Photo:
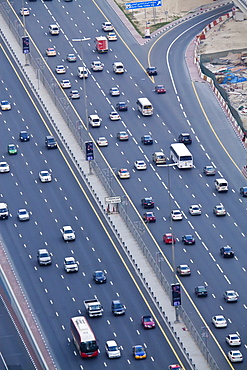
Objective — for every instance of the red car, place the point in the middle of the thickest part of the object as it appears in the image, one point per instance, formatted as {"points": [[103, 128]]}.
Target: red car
{"points": [[167, 238], [148, 322], [160, 89], [149, 217], [176, 367]]}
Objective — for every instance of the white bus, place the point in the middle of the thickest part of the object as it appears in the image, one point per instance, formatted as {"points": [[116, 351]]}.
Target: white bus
{"points": [[145, 106], [181, 155], [83, 337]]}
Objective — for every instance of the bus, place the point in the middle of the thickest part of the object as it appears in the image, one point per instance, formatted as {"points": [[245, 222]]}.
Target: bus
{"points": [[145, 106], [181, 155], [83, 337]]}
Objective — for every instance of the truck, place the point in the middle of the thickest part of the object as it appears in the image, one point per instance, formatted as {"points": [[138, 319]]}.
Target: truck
{"points": [[101, 44], [93, 307]]}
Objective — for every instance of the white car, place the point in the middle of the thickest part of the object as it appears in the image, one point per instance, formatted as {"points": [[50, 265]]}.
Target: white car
{"points": [[24, 11], [74, 94], [195, 210], [102, 141], [235, 355], [60, 69], [140, 165], [176, 215], [230, 296], [23, 215], [65, 84], [54, 29], [70, 264], [111, 36], [233, 340], [183, 270], [68, 233], [114, 91], [114, 116], [123, 173], [5, 105], [94, 120], [45, 176], [51, 52], [112, 349], [71, 57], [219, 321], [4, 167], [97, 66], [107, 26], [219, 210]]}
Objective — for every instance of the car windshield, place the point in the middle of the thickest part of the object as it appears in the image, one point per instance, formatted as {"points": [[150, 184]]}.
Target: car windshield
{"points": [[69, 262], [68, 231], [147, 319]]}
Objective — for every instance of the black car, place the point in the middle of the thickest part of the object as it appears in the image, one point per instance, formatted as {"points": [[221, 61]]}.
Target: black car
{"points": [[188, 239], [152, 71], [147, 140], [117, 307], [201, 291], [227, 252], [121, 106], [147, 202], [99, 277], [50, 142], [243, 191], [24, 136], [185, 139]]}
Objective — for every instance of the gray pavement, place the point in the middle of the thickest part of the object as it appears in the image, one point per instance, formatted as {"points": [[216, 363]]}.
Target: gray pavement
{"points": [[125, 235]]}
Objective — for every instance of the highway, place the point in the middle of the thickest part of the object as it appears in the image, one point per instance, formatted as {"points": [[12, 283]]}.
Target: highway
{"points": [[175, 112]]}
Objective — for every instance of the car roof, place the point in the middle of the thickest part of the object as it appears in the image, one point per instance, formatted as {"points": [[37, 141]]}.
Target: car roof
{"points": [[111, 342], [44, 250]]}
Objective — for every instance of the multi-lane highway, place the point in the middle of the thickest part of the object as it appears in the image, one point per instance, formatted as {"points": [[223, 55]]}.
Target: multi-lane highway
{"points": [[175, 112]]}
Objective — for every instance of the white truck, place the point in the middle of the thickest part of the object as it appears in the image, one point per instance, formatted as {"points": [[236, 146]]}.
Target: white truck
{"points": [[93, 307]]}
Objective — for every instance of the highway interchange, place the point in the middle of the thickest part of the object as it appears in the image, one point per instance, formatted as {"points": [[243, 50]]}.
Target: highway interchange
{"points": [[57, 203]]}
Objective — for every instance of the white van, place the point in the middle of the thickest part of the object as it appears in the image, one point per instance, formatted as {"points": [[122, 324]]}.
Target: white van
{"points": [[159, 158], [118, 67], [221, 185], [82, 72], [54, 29], [94, 120]]}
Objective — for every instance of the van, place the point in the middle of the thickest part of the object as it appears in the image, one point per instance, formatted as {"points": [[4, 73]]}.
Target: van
{"points": [[82, 72], [4, 211], [94, 120], [159, 158], [221, 185], [118, 67], [54, 29]]}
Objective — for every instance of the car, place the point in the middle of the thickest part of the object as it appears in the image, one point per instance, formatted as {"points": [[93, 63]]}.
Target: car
{"points": [[243, 191], [74, 94], [60, 69], [176, 215], [5, 105], [201, 291], [50, 142], [221, 185], [71, 57], [233, 340], [112, 350], [44, 257], [147, 139], [4, 211], [209, 170], [51, 52], [148, 322], [67, 233], [70, 264], [168, 238], [140, 165], [122, 136], [4, 167], [139, 352], [82, 72], [117, 307], [45, 176], [188, 239], [24, 136], [174, 367], [111, 36], [24, 11], [183, 270], [107, 26], [235, 356], [149, 217], [54, 29], [219, 321], [185, 138], [114, 116], [147, 202], [23, 215], [97, 66], [230, 296], [12, 149], [219, 210], [102, 141], [227, 252], [195, 210], [160, 89], [65, 84], [121, 106], [123, 173], [114, 91], [94, 120], [99, 277], [152, 71], [118, 67]]}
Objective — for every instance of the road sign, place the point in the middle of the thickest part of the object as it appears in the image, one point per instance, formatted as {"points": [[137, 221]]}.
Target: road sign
{"points": [[113, 200], [143, 4]]}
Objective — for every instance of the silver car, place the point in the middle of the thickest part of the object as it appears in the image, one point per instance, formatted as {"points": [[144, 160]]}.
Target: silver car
{"points": [[23, 215], [230, 296]]}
